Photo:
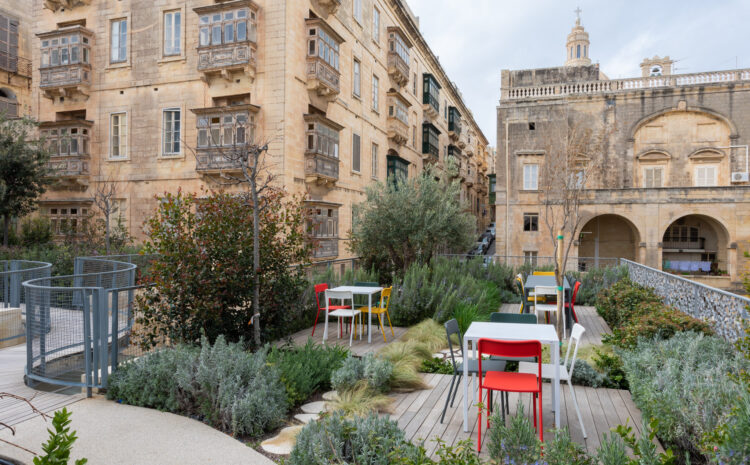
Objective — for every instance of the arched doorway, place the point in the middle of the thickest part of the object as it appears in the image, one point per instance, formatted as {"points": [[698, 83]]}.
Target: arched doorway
{"points": [[608, 236], [695, 244]]}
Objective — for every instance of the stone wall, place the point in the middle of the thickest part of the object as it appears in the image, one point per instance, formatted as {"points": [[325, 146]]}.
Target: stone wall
{"points": [[724, 311]]}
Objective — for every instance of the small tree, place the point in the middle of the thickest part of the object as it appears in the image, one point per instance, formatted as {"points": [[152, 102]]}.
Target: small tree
{"points": [[205, 275], [572, 158], [23, 170], [105, 200], [408, 220]]}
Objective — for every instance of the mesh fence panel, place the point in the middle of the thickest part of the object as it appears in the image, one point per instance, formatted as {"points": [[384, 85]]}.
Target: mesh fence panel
{"points": [[13, 297], [79, 326]]}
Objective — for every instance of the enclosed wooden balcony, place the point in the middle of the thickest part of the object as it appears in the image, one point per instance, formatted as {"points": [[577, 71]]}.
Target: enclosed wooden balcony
{"points": [[322, 150], [323, 75], [397, 124], [430, 96], [70, 171], [225, 134], [454, 125], [68, 143], [65, 67], [398, 56], [227, 43]]}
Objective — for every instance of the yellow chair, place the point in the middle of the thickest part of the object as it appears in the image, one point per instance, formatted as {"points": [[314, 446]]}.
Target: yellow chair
{"points": [[529, 297], [544, 273], [385, 302]]}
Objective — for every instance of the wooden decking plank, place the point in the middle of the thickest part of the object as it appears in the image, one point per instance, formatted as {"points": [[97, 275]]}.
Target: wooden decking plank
{"points": [[420, 428]]}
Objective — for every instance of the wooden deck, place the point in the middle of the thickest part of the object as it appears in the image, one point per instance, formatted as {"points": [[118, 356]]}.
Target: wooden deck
{"points": [[359, 346], [46, 398]]}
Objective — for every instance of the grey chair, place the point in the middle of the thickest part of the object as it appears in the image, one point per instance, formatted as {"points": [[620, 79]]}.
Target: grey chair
{"points": [[451, 328]]}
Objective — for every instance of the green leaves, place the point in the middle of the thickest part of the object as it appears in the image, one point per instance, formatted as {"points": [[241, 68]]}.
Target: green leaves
{"points": [[57, 448]]}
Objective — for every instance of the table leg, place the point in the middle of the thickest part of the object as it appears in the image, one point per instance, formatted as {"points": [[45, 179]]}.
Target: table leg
{"points": [[325, 330], [555, 351], [369, 319], [465, 354]]}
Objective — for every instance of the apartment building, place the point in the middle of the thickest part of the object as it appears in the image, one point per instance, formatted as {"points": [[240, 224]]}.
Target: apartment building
{"points": [[144, 93], [15, 58], [672, 189]]}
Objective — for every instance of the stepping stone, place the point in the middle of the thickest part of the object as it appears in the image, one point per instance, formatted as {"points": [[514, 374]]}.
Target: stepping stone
{"points": [[446, 352], [438, 355], [306, 417], [331, 396], [314, 407], [283, 443]]}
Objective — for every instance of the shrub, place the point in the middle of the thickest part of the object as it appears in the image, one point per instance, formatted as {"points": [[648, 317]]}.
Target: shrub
{"points": [[36, 231], [306, 369], [610, 365], [437, 365], [406, 352], [405, 377], [360, 400], [232, 390], [430, 333], [623, 300], [655, 320], [368, 440], [374, 370], [595, 280], [517, 442], [685, 383], [466, 313], [585, 375], [611, 451], [562, 450], [203, 280]]}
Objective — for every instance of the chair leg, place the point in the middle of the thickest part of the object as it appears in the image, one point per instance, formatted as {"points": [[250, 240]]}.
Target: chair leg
{"points": [[489, 406], [389, 323], [541, 423], [351, 334], [507, 403], [316, 321], [479, 423], [382, 329], [447, 399], [533, 401], [458, 383], [578, 411]]}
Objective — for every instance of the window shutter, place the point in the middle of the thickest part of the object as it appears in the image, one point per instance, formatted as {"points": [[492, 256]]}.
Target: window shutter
{"points": [[355, 153]]}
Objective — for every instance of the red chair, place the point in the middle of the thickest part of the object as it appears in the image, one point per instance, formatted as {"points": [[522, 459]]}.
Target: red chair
{"points": [[508, 381], [322, 288], [572, 302]]}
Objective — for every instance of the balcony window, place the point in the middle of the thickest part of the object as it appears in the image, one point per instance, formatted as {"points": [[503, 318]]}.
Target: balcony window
{"points": [[323, 45], [397, 45], [453, 151], [65, 141], [431, 92], [430, 140], [322, 138], [398, 168], [397, 109], [227, 26], [323, 229], [65, 50], [225, 129], [454, 120], [66, 219]]}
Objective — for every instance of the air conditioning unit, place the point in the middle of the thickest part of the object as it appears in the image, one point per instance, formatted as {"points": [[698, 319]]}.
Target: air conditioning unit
{"points": [[740, 176]]}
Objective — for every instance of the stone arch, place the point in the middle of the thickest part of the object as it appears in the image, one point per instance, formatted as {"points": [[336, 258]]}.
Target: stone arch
{"points": [[733, 133], [609, 235], [693, 239]]}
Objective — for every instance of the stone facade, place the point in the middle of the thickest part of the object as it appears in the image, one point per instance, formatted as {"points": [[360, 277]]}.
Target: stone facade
{"points": [[672, 191], [15, 58], [328, 84]]}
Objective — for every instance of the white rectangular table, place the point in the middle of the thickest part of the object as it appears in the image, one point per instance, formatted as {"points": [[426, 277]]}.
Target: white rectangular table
{"points": [[359, 290], [545, 334]]}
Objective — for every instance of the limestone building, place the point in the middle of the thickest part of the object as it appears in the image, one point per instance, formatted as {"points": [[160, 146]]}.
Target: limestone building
{"points": [[672, 191], [15, 58], [140, 93]]}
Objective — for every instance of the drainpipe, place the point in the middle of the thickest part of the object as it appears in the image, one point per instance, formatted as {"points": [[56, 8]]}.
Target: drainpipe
{"points": [[507, 193]]}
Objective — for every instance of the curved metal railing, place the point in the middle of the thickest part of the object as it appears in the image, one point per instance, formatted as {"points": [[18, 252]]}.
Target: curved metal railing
{"points": [[77, 326], [13, 299]]}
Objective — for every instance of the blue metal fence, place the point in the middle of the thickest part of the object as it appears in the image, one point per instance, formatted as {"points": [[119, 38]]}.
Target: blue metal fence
{"points": [[13, 299]]}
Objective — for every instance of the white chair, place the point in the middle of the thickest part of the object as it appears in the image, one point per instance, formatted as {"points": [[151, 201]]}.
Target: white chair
{"points": [[548, 370], [340, 313], [544, 307]]}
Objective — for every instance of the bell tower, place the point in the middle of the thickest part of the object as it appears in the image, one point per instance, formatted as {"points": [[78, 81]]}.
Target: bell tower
{"points": [[577, 46]]}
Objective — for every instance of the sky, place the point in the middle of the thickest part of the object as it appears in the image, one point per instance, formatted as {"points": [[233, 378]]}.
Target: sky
{"points": [[476, 39]]}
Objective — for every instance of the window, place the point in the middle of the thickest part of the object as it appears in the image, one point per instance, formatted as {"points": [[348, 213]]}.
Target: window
{"points": [[531, 222], [431, 92], [64, 141], [396, 108], [172, 23], [171, 131], [357, 10], [225, 129], [397, 168], [652, 176], [584, 51], [397, 45], [454, 120], [66, 219], [705, 176], [530, 177], [355, 153], [119, 41], [119, 213], [327, 47], [530, 257], [118, 135], [8, 43], [376, 25], [532, 126], [579, 177], [64, 50], [375, 92], [357, 85], [414, 136], [414, 84], [323, 139], [578, 51], [226, 27], [375, 161], [323, 224]]}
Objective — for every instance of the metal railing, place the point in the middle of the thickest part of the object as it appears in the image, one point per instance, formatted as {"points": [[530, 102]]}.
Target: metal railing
{"points": [[13, 304], [727, 313], [79, 327], [532, 263]]}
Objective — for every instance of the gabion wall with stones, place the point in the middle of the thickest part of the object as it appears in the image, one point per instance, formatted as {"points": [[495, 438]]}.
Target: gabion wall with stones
{"points": [[724, 311]]}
